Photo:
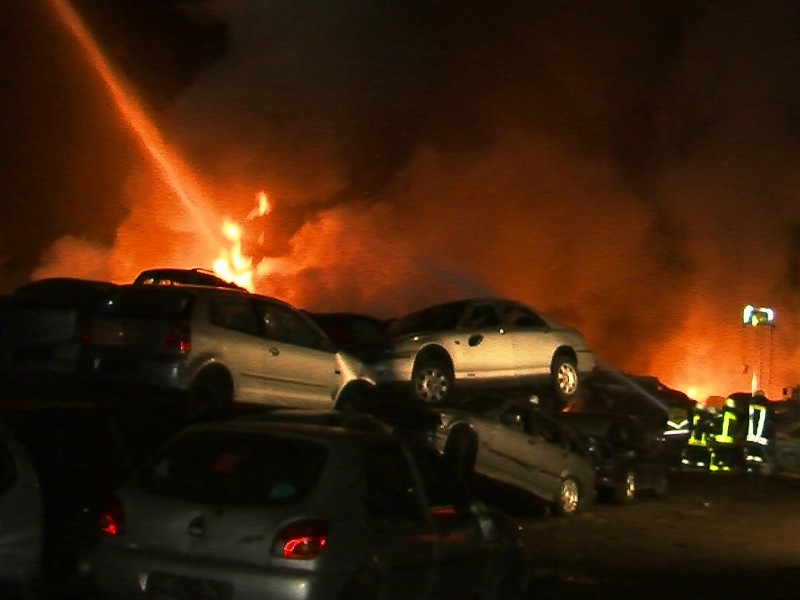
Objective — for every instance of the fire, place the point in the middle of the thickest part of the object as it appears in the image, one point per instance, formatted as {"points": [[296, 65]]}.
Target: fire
{"points": [[232, 264]]}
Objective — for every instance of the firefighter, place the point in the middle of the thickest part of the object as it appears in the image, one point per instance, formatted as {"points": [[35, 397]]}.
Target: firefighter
{"points": [[697, 454], [727, 439], [759, 433]]}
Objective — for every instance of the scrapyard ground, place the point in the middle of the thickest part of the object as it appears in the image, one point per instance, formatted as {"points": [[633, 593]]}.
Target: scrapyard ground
{"points": [[713, 536]]}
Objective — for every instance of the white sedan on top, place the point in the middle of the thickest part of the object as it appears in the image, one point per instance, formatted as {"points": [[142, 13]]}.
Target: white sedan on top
{"points": [[481, 342]]}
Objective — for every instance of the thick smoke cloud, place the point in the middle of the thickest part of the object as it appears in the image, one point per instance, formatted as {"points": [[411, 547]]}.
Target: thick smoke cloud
{"points": [[630, 170]]}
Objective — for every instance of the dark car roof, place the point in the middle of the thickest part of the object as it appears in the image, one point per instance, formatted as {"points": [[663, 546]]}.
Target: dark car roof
{"points": [[62, 292], [173, 276]]}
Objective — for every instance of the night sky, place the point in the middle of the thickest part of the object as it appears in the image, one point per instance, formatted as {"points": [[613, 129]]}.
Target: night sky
{"points": [[628, 167]]}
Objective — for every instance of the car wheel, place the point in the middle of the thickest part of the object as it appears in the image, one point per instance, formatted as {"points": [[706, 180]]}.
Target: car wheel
{"points": [[565, 378], [460, 450], [569, 496], [433, 382], [210, 396], [626, 492]]}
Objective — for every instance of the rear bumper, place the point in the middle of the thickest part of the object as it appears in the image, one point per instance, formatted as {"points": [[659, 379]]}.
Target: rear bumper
{"points": [[123, 573]]}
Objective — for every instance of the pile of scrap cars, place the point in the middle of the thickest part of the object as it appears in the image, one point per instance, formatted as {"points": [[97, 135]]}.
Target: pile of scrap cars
{"points": [[181, 411]]}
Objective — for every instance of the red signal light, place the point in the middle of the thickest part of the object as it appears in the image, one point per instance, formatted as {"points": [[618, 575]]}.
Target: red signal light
{"points": [[112, 519], [178, 339], [301, 540]]}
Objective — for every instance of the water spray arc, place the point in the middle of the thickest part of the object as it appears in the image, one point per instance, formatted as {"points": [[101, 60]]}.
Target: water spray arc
{"points": [[174, 171]]}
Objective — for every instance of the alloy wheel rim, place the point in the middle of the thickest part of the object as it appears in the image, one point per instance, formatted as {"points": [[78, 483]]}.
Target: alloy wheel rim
{"points": [[567, 378], [569, 496]]}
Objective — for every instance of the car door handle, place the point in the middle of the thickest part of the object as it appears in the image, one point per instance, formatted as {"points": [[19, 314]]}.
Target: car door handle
{"points": [[476, 339], [274, 351]]}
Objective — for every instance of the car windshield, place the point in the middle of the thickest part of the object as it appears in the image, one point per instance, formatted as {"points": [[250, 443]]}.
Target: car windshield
{"points": [[436, 318], [150, 303], [235, 468]]}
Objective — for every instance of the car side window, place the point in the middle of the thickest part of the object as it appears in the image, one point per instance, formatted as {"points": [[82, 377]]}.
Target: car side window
{"points": [[390, 486], [520, 316], [234, 313], [282, 324], [482, 315]]}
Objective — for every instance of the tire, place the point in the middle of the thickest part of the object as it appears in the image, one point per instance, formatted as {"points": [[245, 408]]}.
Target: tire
{"points": [[565, 378], [568, 500], [627, 490], [461, 450], [432, 382], [209, 397]]}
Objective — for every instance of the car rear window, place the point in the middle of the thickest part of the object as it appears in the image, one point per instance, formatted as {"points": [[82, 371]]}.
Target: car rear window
{"points": [[235, 469], [150, 303]]}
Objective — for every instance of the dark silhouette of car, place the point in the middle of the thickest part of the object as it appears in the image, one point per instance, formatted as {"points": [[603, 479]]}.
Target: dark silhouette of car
{"points": [[354, 332], [44, 326], [629, 458], [196, 276]]}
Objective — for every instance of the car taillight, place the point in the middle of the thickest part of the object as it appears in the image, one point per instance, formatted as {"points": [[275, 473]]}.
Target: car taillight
{"points": [[301, 540], [178, 339], [112, 519]]}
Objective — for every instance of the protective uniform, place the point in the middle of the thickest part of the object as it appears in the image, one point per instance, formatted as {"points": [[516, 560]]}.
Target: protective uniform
{"points": [[726, 439], [697, 454], [759, 433]]}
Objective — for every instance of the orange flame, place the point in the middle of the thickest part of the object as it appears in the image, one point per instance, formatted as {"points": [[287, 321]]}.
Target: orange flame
{"points": [[232, 264]]}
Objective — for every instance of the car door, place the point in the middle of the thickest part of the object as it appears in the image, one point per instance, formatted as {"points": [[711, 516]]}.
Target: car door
{"points": [[532, 340], [512, 452], [465, 558], [300, 366], [483, 349], [551, 452], [402, 537]]}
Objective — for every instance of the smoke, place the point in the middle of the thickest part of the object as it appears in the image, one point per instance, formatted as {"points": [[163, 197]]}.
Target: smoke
{"points": [[631, 171]]}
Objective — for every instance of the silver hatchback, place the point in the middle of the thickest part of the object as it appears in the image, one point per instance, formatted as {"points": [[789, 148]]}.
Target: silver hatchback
{"points": [[252, 510], [216, 347]]}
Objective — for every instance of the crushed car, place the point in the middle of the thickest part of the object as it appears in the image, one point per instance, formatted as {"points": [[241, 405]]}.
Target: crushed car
{"points": [[506, 437]]}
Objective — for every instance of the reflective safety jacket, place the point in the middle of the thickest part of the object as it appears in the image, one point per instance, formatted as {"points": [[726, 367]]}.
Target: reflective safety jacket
{"points": [[677, 422], [757, 424], [725, 428], [698, 436]]}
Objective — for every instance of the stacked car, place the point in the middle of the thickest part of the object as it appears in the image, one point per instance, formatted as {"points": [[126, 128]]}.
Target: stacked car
{"points": [[331, 452]]}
